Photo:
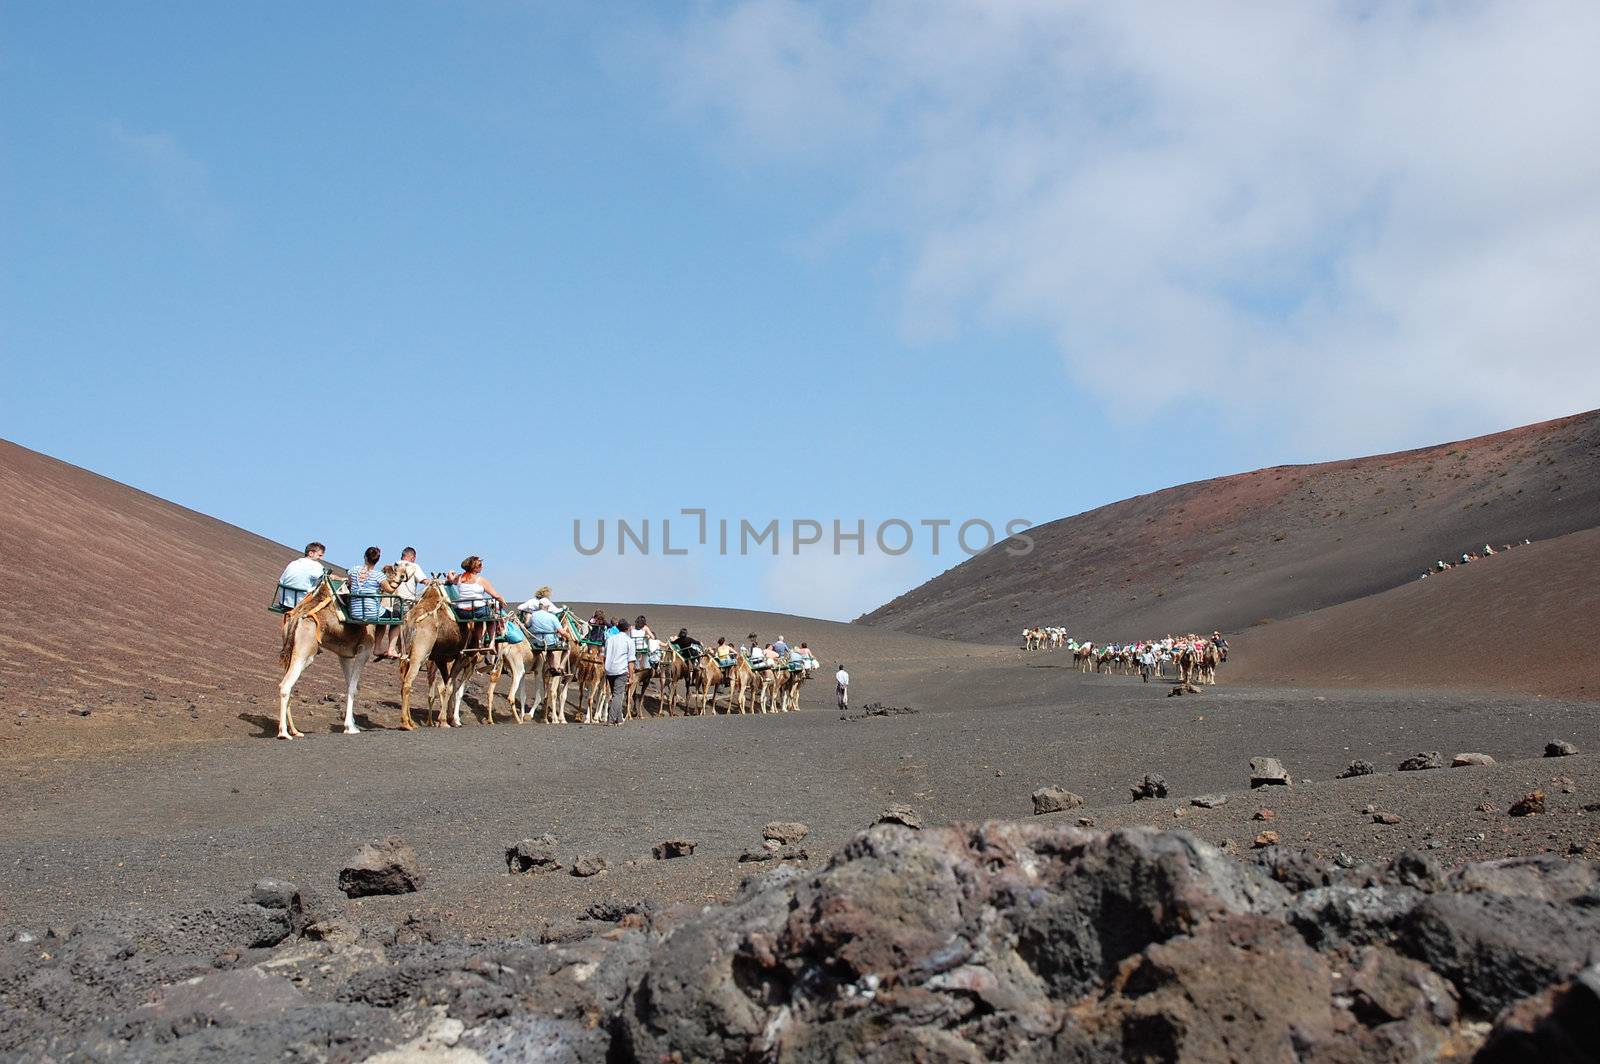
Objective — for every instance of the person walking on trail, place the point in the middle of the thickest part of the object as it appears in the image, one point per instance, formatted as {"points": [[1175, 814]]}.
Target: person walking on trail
{"points": [[619, 669], [842, 679]]}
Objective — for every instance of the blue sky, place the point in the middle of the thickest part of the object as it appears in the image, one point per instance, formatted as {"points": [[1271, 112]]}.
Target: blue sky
{"points": [[459, 275]]}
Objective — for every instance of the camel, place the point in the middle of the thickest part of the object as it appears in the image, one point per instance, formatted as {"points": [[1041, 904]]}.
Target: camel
{"points": [[769, 696], [589, 674], [544, 665], [436, 637], [788, 689], [744, 687], [639, 683], [708, 674], [310, 627], [1209, 659], [1083, 657], [673, 672], [1188, 662]]}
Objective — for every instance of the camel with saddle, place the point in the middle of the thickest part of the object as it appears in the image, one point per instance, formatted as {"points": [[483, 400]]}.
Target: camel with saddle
{"points": [[707, 675], [314, 625], [544, 667], [437, 638], [1083, 657], [788, 688], [651, 658], [745, 687], [588, 666]]}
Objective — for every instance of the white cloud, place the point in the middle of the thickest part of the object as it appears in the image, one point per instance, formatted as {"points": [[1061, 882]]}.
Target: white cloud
{"points": [[179, 181], [1358, 221]]}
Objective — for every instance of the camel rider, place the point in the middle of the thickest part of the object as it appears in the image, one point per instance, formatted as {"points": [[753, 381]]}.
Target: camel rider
{"points": [[723, 653], [409, 577], [301, 575], [544, 624], [647, 648], [781, 647], [688, 646], [475, 598]]}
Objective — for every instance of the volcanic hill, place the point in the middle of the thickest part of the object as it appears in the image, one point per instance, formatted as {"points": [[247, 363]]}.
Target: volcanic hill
{"points": [[1268, 545]]}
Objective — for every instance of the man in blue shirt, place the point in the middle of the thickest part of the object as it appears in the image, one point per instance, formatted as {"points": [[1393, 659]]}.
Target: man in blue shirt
{"points": [[301, 575], [545, 625]]}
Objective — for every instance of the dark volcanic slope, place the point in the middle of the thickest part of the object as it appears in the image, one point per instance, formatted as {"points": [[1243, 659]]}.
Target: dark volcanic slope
{"points": [[1271, 544], [110, 593], [1525, 621]]}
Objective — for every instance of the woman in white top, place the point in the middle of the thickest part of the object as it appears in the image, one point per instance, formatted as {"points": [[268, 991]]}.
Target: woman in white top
{"points": [[474, 592]]}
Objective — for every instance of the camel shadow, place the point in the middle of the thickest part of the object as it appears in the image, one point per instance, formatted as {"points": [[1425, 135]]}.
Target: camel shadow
{"points": [[268, 725]]}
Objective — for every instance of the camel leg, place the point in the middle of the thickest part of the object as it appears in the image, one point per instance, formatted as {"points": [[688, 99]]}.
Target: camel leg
{"points": [[494, 681], [297, 665], [458, 685], [438, 695], [421, 649], [304, 650], [352, 679]]}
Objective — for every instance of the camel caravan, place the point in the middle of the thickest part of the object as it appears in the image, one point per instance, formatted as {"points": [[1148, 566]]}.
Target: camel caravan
{"points": [[1190, 659], [453, 626]]}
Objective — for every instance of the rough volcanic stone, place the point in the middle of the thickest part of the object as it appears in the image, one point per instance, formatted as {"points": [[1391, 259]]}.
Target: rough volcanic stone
{"points": [[785, 832], [900, 814], [667, 849], [588, 864], [533, 856], [1209, 801], [1054, 800], [1496, 948], [1463, 760], [1558, 1025], [1151, 786], [1559, 748], [1425, 760], [1268, 772], [1530, 804], [1385, 818], [387, 866], [1358, 767]]}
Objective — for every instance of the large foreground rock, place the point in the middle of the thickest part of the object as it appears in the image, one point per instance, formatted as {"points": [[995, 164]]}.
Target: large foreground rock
{"points": [[1019, 941], [954, 943], [387, 866]]}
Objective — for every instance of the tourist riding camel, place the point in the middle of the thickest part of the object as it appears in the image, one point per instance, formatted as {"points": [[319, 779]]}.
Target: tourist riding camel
{"points": [[436, 638], [541, 659], [312, 626]]}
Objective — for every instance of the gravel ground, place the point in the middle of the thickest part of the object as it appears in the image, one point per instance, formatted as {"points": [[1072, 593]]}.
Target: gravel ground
{"points": [[183, 825]]}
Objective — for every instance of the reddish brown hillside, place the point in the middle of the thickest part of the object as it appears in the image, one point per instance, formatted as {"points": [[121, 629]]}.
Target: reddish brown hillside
{"points": [[1524, 621], [116, 596], [153, 619], [1270, 544]]}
